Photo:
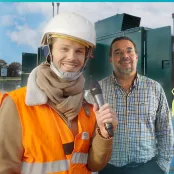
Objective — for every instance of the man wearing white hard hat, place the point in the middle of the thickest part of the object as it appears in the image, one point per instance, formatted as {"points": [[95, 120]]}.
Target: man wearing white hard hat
{"points": [[47, 127]]}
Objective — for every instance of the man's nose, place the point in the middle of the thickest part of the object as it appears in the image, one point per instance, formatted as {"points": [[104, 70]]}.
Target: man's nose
{"points": [[124, 53], [71, 55]]}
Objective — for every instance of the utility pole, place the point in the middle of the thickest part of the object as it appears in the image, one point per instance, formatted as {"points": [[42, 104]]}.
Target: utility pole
{"points": [[53, 8], [58, 7]]}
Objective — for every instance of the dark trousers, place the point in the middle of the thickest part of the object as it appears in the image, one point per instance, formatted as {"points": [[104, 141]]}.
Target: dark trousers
{"points": [[151, 167]]}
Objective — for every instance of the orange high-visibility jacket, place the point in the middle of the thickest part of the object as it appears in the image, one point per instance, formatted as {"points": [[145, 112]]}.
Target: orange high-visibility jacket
{"points": [[1, 95], [47, 139]]}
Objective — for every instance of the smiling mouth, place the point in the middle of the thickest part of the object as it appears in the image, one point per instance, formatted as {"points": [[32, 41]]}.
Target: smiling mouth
{"points": [[125, 63], [69, 65]]}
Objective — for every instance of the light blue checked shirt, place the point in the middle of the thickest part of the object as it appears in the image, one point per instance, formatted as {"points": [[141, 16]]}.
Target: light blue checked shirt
{"points": [[144, 122]]}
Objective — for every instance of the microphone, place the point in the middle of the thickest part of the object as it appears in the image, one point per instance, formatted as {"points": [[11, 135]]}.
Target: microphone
{"points": [[96, 92]]}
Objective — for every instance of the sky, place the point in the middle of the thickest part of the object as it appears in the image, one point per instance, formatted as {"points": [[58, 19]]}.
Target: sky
{"points": [[22, 23]]}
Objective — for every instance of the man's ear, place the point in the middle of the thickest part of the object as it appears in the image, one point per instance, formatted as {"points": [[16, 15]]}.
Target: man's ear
{"points": [[46, 50], [110, 60], [136, 56]]}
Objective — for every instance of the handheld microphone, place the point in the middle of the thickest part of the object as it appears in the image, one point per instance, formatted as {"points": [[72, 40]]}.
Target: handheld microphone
{"points": [[96, 92]]}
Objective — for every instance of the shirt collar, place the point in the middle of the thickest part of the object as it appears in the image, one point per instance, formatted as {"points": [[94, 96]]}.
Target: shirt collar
{"points": [[134, 84]]}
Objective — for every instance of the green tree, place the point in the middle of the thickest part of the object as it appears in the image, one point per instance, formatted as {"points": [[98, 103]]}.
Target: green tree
{"points": [[14, 69], [3, 63]]}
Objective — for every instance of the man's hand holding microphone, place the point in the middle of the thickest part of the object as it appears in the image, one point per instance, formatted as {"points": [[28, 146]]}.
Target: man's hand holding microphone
{"points": [[106, 118]]}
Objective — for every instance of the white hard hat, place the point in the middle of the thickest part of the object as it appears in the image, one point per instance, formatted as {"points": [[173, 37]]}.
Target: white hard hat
{"points": [[71, 25]]}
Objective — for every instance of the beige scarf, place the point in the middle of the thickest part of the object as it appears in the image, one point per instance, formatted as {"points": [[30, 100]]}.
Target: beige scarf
{"points": [[64, 96]]}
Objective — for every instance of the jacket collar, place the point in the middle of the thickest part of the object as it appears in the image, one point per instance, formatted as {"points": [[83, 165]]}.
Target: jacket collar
{"points": [[34, 95]]}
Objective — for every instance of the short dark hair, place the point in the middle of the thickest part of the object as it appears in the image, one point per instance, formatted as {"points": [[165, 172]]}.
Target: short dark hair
{"points": [[121, 38]]}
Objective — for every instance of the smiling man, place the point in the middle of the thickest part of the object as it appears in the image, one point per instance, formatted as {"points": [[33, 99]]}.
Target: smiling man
{"points": [[143, 141], [48, 127]]}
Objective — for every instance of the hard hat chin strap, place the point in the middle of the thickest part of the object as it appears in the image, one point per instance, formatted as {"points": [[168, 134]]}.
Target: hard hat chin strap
{"points": [[69, 76]]}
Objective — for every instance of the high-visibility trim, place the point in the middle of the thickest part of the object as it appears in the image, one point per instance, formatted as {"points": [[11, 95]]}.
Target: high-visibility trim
{"points": [[69, 38], [79, 158], [45, 167]]}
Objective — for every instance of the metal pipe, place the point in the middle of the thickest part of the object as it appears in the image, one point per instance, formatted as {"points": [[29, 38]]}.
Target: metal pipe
{"points": [[53, 8], [58, 7]]}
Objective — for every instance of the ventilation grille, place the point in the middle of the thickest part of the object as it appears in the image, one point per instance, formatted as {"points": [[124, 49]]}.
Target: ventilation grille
{"points": [[130, 21]]}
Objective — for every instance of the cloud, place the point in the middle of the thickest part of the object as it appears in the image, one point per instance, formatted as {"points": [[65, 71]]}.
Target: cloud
{"points": [[34, 8], [22, 32], [24, 35], [153, 15], [7, 20]]}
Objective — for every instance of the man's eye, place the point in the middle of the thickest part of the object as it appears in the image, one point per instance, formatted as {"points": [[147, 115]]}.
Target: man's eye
{"points": [[117, 53], [79, 51], [64, 49], [129, 51]]}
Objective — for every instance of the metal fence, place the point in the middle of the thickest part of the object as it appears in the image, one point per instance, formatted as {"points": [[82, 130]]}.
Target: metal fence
{"points": [[9, 83]]}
